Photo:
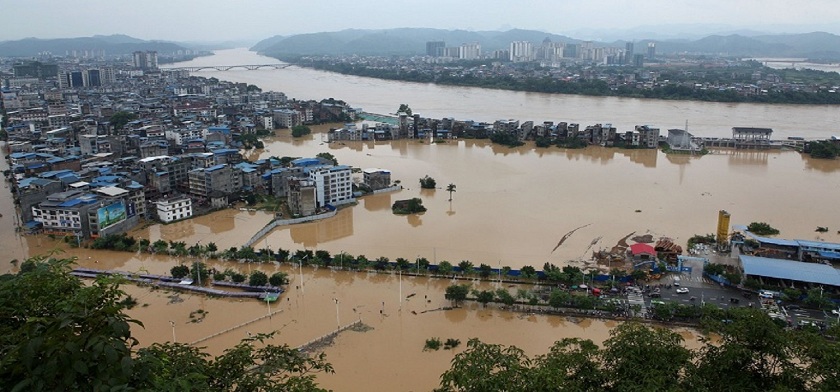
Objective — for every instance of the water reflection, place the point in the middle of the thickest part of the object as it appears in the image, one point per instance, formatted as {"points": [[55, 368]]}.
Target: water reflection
{"points": [[378, 202]]}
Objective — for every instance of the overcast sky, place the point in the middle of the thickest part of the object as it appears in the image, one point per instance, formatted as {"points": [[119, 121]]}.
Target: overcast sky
{"points": [[216, 20]]}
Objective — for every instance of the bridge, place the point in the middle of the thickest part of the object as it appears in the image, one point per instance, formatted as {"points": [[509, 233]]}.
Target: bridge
{"points": [[249, 67]]}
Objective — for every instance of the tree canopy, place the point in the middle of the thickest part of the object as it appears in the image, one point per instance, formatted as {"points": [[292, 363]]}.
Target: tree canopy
{"points": [[753, 354]]}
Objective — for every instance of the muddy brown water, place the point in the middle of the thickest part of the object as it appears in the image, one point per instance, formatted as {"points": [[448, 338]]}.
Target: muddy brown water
{"points": [[511, 207]]}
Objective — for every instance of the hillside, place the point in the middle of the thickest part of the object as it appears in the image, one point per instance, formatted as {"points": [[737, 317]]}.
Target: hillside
{"points": [[412, 41], [112, 45]]}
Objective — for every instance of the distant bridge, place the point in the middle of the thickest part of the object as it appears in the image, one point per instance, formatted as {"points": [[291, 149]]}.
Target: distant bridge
{"points": [[249, 67]]}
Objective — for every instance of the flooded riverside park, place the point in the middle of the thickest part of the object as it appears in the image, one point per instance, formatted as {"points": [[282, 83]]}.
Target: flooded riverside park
{"points": [[511, 207]]}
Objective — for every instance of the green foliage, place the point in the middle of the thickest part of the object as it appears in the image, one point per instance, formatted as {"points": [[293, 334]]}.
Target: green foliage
{"points": [[410, 206], [466, 267], [451, 343], [179, 271], [404, 109], [528, 272], [278, 279], [237, 277], [432, 344], [823, 149], [327, 156], [57, 333], [300, 130], [199, 274], [119, 119], [450, 188], [428, 182], [762, 228], [505, 297], [445, 268], [484, 296], [258, 278], [487, 367], [457, 293], [701, 239], [506, 138]]}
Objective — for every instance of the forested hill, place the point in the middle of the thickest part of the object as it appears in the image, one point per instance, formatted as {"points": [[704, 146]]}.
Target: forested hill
{"points": [[111, 44], [412, 41]]}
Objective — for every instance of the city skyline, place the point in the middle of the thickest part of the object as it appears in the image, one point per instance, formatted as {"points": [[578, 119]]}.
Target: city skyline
{"points": [[198, 21]]}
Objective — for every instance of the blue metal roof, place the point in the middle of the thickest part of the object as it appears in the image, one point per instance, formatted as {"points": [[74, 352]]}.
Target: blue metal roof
{"points": [[830, 255], [829, 246], [792, 270], [214, 168]]}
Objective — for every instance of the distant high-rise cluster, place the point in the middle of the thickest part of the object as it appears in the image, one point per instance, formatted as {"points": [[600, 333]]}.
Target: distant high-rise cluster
{"points": [[146, 60], [547, 53], [86, 78], [435, 48]]}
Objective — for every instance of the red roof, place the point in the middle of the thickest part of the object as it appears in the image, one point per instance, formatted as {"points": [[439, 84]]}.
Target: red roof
{"points": [[638, 249]]}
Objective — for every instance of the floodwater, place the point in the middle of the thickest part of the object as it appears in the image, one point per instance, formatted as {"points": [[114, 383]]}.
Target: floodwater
{"points": [[400, 312], [464, 103], [511, 207]]}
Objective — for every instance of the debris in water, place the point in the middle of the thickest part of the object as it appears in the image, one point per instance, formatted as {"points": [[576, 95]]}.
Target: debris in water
{"points": [[569, 234]]}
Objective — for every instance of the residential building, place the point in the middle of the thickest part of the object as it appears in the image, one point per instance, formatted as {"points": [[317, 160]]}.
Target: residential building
{"points": [[215, 178], [170, 210], [302, 199], [377, 178], [334, 184], [435, 48]]}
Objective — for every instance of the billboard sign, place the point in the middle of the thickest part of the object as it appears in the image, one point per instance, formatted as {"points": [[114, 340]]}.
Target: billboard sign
{"points": [[111, 215]]}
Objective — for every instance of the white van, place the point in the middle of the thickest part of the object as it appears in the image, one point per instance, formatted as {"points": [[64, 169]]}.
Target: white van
{"points": [[676, 281]]}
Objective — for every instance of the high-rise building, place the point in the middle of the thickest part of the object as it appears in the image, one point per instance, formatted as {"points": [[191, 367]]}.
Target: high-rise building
{"points": [[521, 51], [435, 48], [94, 78], [651, 53], [145, 60], [471, 51], [628, 52]]}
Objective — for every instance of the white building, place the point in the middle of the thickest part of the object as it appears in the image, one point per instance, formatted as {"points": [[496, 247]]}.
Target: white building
{"points": [[333, 184], [174, 209], [521, 51], [470, 51]]}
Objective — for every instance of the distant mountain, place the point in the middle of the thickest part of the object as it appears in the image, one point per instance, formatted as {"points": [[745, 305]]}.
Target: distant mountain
{"points": [[112, 45], [412, 41], [403, 41]]}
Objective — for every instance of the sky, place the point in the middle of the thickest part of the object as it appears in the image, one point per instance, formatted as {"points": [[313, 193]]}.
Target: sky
{"points": [[252, 20]]}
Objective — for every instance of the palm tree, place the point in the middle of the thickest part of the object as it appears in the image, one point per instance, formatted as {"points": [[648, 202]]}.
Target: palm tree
{"points": [[450, 188]]}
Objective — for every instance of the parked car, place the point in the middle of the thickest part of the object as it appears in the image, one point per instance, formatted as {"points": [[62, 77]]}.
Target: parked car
{"points": [[682, 290]]}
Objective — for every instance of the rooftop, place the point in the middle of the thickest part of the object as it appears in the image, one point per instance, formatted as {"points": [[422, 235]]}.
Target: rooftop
{"points": [[791, 270]]}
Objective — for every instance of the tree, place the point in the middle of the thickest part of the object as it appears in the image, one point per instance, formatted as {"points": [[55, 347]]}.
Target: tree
{"points": [[528, 272], [402, 263], [644, 359], [450, 188], [487, 367], [179, 271], [505, 297], [762, 228], [572, 364], [445, 268], [466, 267], [237, 277], [404, 109], [328, 156], [119, 119], [258, 278], [300, 130], [278, 279], [199, 274], [484, 271], [428, 182], [484, 296], [57, 333], [457, 293]]}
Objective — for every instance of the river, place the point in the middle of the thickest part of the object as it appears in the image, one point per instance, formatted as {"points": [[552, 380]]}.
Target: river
{"points": [[435, 101], [511, 207]]}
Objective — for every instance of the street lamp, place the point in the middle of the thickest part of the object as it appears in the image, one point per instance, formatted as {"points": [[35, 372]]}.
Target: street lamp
{"points": [[337, 320], [173, 331]]}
